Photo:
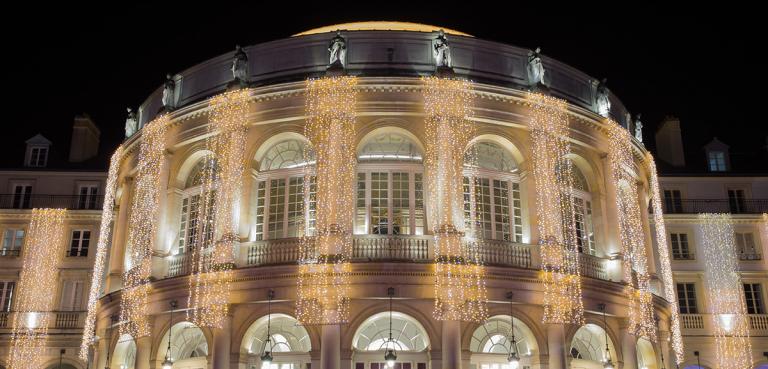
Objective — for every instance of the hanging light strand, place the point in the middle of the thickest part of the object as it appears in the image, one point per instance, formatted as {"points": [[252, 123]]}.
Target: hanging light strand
{"points": [[552, 172], [142, 229], [105, 233], [670, 294], [460, 293], [218, 213], [34, 302], [733, 348], [324, 267], [634, 262]]}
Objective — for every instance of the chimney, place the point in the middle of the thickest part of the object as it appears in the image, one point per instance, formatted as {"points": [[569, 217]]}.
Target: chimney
{"points": [[669, 142], [85, 139]]}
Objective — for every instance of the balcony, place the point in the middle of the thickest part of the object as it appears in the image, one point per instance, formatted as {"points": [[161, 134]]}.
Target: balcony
{"points": [[750, 256], [694, 206], [60, 320], [697, 324], [30, 201], [692, 321]]}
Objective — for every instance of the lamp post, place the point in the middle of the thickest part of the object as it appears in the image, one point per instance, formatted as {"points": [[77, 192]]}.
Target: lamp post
{"points": [[266, 356], [61, 357], [390, 356], [108, 333], [698, 360], [608, 362], [168, 362], [514, 357]]}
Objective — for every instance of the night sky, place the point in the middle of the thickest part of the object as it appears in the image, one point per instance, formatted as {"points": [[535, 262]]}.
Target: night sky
{"points": [[703, 68]]}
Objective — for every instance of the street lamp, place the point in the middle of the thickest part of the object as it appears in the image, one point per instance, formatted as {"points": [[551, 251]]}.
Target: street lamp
{"points": [[390, 356], [608, 363], [698, 361], [168, 362], [514, 357], [266, 356]]}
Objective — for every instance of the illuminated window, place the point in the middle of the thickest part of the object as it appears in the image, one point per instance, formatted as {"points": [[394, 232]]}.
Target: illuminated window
{"points": [[72, 296], [286, 154], [754, 298], [716, 161], [408, 334], [746, 247], [88, 197], [38, 157], [680, 249], [390, 146], [686, 298], [192, 203], [13, 239], [79, 243], [6, 295]]}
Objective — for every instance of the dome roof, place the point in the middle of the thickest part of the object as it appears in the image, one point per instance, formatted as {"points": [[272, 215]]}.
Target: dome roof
{"points": [[381, 26]]}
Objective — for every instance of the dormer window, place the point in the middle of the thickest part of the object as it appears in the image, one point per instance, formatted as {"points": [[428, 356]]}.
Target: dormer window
{"points": [[38, 148], [717, 161]]}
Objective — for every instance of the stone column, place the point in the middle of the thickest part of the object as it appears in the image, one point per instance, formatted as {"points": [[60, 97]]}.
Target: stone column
{"points": [[162, 241], [628, 349], [609, 226], [330, 347], [556, 344], [119, 238], [451, 345], [100, 357], [143, 352], [222, 344]]}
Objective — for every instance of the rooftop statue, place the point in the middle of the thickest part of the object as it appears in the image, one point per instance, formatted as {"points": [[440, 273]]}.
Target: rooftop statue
{"points": [[535, 68], [131, 124], [338, 51], [602, 99], [638, 128], [240, 65], [442, 51], [169, 91]]}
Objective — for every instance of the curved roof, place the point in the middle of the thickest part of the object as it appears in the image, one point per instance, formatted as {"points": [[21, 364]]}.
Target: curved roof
{"points": [[381, 26]]}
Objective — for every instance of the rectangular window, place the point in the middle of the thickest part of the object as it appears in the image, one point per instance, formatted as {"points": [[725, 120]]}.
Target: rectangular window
{"points": [[517, 212], [753, 295], [673, 201], [72, 296], [81, 239], [38, 157], [13, 239], [418, 195], [745, 246], [501, 218], [401, 204], [736, 201], [6, 295], [260, 201], [360, 207], [680, 249], [276, 208], [380, 202], [717, 161], [295, 206], [22, 196], [87, 197], [686, 298], [188, 226], [585, 236]]}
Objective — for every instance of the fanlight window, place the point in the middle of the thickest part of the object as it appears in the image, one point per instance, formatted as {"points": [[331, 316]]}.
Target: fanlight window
{"points": [[407, 334], [286, 154], [125, 353], [578, 178], [286, 335], [589, 344], [493, 337], [192, 203], [390, 146], [196, 175], [491, 156], [187, 341]]}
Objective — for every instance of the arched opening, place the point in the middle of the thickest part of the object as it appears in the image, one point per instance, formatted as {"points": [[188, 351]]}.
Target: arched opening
{"points": [[491, 343], [582, 211], [124, 355], [409, 340], [64, 366], [189, 347], [289, 343], [587, 349], [646, 355], [498, 204]]}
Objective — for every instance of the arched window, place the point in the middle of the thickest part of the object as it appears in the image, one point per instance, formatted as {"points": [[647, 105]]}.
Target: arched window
{"points": [[390, 197], [582, 208], [189, 348], [498, 206], [491, 343], [192, 204], [124, 356], [409, 340], [280, 205], [646, 355], [288, 341], [589, 344]]}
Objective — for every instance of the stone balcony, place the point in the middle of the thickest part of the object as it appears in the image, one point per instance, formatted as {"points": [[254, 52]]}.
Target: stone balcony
{"points": [[702, 324], [61, 320]]}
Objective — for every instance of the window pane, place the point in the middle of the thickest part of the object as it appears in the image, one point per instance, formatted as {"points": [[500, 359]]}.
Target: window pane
{"points": [[360, 211], [380, 203], [501, 210], [276, 208], [295, 206], [401, 204], [260, 201], [419, 200]]}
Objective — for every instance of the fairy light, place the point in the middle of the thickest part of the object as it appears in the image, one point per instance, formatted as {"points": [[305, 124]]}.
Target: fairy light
{"points": [[34, 302], [666, 268], [556, 225], [634, 262], [733, 349], [105, 231], [324, 267], [143, 229], [460, 293], [214, 243]]}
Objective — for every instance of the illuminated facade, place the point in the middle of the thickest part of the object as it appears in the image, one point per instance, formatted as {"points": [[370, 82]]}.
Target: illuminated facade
{"points": [[234, 219]]}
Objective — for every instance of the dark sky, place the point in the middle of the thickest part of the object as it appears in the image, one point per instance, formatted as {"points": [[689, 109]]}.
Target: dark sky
{"points": [[703, 67]]}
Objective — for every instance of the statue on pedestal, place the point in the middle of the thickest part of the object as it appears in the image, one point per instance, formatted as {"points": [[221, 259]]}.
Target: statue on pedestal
{"points": [[638, 128], [442, 51], [131, 124], [338, 51], [602, 99], [169, 91], [240, 66], [535, 68]]}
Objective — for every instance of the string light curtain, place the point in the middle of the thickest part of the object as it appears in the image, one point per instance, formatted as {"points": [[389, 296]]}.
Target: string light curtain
{"points": [[34, 302], [460, 293], [733, 349], [105, 233], [552, 172], [324, 267], [222, 182], [670, 294], [634, 262], [142, 229]]}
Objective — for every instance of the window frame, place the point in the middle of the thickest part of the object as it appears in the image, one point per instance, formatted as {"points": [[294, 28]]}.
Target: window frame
{"points": [[689, 289], [757, 299], [7, 295], [90, 199], [689, 254], [12, 250], [34, 160], [81, 240]]}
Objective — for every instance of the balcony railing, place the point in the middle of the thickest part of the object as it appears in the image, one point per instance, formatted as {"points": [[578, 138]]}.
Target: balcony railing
{"points": [[693, 206], [10, 253], [592, 266], [758, 322], [750, 256], [60, 319], [74, 202], [692, 321], [373, 247], [179, 265]]}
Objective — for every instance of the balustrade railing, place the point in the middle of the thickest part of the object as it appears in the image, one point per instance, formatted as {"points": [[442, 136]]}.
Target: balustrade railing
{"points": [[735, 206], [503, 253], [274, 252], [178, 265], [405, 248], [68, 319], [592, 266], [692, 321], [758, 322]]}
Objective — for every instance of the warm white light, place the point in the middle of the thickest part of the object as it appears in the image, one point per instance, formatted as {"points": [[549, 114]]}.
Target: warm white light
{"points": [[31, 320]]}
